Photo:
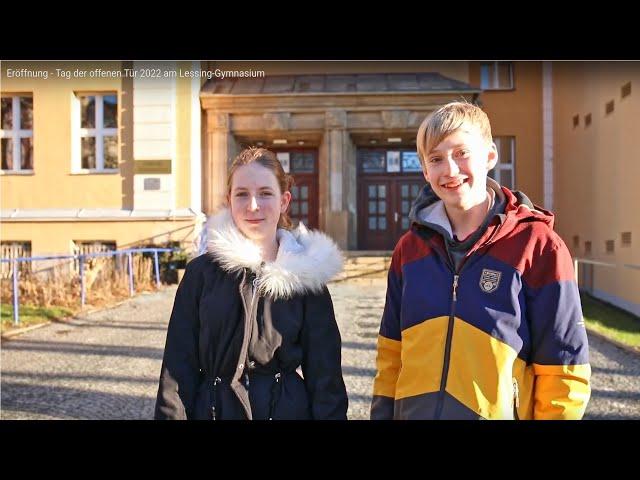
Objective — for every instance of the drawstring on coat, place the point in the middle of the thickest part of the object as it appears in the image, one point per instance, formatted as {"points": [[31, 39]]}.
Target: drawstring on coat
{"points": [[216, 381], [274, 391]]}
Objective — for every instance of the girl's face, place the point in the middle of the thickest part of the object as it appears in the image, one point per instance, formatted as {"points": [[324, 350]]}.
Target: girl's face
{"points": [[256, 201]]}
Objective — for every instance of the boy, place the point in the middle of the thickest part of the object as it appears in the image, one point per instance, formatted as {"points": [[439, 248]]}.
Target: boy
{"points": [[482, 317]]}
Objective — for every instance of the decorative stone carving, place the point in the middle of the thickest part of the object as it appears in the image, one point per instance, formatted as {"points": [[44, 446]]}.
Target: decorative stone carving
{"points": [[218, 121], [395, 119], [336, 119], [276, 121]]}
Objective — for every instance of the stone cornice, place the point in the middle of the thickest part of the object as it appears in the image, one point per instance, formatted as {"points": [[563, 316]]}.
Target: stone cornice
{"points": [[325, 101]]}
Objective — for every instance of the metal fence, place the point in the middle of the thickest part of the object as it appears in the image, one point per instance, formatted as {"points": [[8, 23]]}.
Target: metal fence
{"points": [[81, 260], [585, 272]]}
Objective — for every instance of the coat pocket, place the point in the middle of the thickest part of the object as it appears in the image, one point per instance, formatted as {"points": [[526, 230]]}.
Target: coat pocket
{"points": [[293, 403]]}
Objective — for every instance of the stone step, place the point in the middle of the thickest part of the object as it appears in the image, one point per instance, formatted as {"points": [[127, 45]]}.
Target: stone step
{"points": [[365, 266], [381, 262], [366, 260]]}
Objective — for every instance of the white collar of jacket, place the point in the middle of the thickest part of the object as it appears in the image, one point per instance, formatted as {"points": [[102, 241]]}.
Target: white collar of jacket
{"points": [[305, 262]]}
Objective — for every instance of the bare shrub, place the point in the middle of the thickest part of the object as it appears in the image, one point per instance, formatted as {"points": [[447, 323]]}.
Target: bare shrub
{"points": [[106, 282]]}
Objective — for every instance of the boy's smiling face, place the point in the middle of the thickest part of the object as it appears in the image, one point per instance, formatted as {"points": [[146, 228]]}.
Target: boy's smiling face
{"points": [[457, 167]]}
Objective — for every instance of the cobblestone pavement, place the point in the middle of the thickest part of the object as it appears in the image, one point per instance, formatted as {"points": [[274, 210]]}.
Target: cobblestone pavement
{"points": [[105, 365], [358, 306]]}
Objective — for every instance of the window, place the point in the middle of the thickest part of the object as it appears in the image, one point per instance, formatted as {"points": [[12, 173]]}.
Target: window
{"points": [[83, 247], [388, 161], [372, 161], [496, 76], [12, 250], [299, 205], [609, 246], [576, 120], [377, 207], [504, 171], [411, 162], [587, 247], [303, 162], [625, 91], [608, 107], [17, 133], [587, 120], [626, 238], [576, 241], [96, 120]]}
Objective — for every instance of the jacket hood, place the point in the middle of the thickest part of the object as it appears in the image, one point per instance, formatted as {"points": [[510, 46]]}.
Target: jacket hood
{"points": [[305, 262], [518, 208]]}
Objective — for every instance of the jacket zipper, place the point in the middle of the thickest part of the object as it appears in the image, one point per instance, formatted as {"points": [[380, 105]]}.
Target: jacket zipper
{"points": [[447, 348], [516, 399], [454, 299]]}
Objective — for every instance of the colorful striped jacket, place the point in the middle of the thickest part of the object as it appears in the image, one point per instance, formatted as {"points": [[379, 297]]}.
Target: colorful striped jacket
{"points": [[502, 338]]}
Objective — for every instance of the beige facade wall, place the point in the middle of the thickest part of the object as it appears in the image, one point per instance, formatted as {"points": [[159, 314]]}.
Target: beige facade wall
{"points": [[518, 113], [53, 183], [455, 70], [57, 237], [183, 138], [597, 170]]}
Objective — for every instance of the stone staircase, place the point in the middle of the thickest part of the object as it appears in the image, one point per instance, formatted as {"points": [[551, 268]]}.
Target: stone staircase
{"points": [[365, 265]]}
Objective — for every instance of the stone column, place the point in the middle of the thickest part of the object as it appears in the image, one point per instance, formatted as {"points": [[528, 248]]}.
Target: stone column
{"points": [[221, 148], [336, 149], [350, 185], [126, 140]]}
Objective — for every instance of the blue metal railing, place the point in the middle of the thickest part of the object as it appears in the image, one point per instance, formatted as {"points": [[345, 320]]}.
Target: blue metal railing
{"points": [[81, 259], [201, 242]]}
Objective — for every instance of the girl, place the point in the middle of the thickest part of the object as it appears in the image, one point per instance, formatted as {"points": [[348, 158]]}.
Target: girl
{"points": [[252, 310]]}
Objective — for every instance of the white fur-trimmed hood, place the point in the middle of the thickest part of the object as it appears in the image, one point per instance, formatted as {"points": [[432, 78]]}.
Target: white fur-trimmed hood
{"points": [[306, 259]]}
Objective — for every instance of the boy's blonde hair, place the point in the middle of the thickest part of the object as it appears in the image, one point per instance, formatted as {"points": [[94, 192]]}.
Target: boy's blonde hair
{"points": [[445, 121]]}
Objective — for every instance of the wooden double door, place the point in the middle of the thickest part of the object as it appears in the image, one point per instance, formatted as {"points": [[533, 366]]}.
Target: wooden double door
{"points": [[384, 202], [302, 164], [304, 200]]}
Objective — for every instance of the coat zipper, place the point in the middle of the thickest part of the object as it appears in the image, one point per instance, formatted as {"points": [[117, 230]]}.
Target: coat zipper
{"points": [[216, 381], [274, 390]]}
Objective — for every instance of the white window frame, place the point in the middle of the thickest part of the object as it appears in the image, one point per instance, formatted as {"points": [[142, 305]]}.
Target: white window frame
{"points": [[14, 249], [494, 77], [93, 246], [17, 134], [496, 172], [84, 247], [99, 132]]}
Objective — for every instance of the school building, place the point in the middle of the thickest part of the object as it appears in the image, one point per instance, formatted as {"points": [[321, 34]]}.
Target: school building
{"points": [[140, 159], [93, 161]]}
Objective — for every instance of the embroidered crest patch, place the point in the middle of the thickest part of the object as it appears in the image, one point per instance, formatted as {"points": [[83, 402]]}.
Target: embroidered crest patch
{"points": [[489, 280]]}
